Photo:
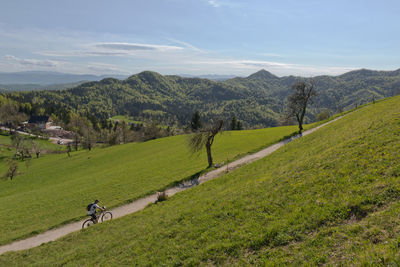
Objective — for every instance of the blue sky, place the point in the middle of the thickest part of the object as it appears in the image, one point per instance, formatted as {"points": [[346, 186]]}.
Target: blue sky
{"points": [[199, 36]]}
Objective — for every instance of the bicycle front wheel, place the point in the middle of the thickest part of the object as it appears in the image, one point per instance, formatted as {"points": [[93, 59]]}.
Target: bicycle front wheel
{"points": [[106, 216], [87, 223]]}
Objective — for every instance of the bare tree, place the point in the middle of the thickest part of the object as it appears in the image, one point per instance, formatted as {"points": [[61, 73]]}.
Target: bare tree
{"points": [[152, 131], [12, 169], [22, 146], [69, 150], [122, 132], [36, 148], [88, 133], [303, 93], [338, 104], [83, 132], [205, 137], [74, 125]]}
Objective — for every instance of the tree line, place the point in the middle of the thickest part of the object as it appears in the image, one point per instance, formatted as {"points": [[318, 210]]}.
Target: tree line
{"points": [[257, 101]]}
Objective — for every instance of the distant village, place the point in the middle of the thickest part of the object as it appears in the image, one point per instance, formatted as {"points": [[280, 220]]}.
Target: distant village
{"points": [[45, 125]]}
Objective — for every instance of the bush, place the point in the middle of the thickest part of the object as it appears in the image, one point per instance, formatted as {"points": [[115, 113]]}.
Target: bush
{"points": [[161, 196], [323, 115]]}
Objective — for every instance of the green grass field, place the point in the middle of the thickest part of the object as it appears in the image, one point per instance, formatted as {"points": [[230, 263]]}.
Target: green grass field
{"points": [[126, 119], [6, 150], [45, 144], [331, 197], [55, 189]]}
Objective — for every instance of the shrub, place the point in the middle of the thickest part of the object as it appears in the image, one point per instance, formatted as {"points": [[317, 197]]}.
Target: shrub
{"points": [[323, 115], [161, 196]]}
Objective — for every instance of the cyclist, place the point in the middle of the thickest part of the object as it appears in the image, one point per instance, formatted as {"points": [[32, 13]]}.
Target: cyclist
{"points": [[92, 210]]}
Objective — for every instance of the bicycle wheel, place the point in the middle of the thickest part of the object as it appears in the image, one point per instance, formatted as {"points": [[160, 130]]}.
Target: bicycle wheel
{"points": [[87, 223], [106, 216]]}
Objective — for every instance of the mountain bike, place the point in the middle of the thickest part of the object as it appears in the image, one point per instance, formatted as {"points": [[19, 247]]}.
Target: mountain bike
{"points": [[103, 216]]}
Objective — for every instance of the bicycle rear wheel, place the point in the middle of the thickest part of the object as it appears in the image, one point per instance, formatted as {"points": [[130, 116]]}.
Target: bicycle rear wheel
{"points": [[106, 216], [87, 223]]}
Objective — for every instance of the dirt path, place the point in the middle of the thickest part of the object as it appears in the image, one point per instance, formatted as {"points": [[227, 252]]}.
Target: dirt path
{"points": [[140, 204]]}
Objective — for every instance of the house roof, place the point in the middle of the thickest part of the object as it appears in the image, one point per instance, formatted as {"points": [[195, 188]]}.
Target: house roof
{"points": [[39, 119]]}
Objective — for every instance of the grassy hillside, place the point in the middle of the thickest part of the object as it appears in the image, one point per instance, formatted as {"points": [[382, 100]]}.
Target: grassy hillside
{"points": [[55, 189], [330, 197]]}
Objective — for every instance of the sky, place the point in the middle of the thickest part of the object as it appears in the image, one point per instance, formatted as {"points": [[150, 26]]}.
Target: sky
{"points": [[226, 37]]}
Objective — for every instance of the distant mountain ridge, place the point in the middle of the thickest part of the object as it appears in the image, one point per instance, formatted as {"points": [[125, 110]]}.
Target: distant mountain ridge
{"points": [[49, 78], [36, 87], [257, 100], [214, 77]]}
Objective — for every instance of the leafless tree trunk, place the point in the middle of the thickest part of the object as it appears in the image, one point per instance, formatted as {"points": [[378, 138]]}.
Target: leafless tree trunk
{"points": [[36, 148], [205, 137], [303, 93], [69, 150], [209, 156]]}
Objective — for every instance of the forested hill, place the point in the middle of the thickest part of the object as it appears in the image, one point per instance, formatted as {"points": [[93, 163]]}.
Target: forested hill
{"points": [[257, 100]]}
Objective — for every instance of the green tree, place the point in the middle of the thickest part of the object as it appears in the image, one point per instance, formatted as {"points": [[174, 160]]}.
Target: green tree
{"points": [[239, 125], [10, 115], [233, 124], [195, 123], [324, 114]]}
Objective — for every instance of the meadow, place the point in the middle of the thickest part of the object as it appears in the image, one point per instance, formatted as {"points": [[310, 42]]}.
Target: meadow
{"points": [[7, 151], [331, 197], [126, 119], [55, 189]]}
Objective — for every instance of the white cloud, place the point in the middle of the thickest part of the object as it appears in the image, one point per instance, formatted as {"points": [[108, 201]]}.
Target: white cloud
{"points": [[213, 3], [82, 53], [104, 68], [226, 3], [113, 49], [15, 64], [32, 62], [171, 64], [135, 47], [271, 55], [187, 45], [278, 68]]}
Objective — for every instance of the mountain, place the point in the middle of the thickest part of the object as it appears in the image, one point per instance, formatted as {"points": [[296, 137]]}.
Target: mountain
{"points": [[257, 100], [35, 87], [214, 77], [47, 78], [262, 75]]}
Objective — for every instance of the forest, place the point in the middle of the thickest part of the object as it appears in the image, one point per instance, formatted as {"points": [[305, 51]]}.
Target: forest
{"points": [[256, 101]]}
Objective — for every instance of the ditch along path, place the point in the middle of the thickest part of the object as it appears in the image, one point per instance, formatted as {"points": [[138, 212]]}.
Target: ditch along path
{"points": [[140, 204]]}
